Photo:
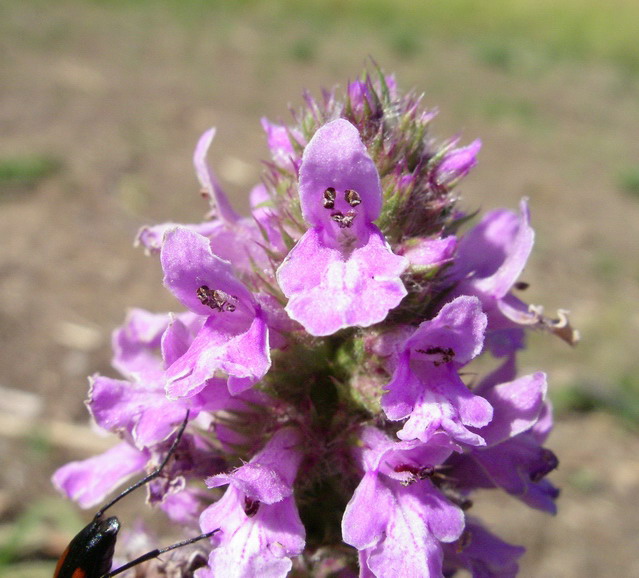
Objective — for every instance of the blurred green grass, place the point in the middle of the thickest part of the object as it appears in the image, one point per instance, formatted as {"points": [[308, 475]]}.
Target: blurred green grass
{"points": [[621, 401], [21, 541], [628, 181], [579, 29], [26, 170]]}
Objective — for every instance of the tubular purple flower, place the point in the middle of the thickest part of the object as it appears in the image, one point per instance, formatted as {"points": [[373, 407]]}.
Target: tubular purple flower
{"points": [[136, 343], [426, 387], [518, 466], [517, 405], [236, 239], [280, 141], [482, 553], [234, 336], [209, 182], [514, 459], [89, 481], [233, 238], [138, 407], [428, 254], [490, 259], [260, 529], [396, 520], [342, 273], [152, 237]]}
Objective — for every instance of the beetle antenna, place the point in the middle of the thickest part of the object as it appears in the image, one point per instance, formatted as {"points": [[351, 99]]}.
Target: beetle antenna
{"points": [[154, 474], [157, 552]]}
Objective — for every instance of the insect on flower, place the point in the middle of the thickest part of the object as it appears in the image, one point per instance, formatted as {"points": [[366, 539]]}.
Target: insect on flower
{"points": [[90, 553]]}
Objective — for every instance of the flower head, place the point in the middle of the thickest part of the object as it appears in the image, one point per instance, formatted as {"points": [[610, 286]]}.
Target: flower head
{"points": [[325, 349]]}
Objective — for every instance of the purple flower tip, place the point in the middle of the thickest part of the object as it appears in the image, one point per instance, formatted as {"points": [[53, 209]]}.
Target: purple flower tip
{"points": [[457, 163]]}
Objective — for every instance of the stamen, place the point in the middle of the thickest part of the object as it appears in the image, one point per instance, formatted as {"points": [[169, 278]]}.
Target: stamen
{"points": [[352, 197], [344, 221], [457, 498], [217, 299], [446, 354], [547, 464], [251, 507], [464, 540], [417, 473], [329, 198]]}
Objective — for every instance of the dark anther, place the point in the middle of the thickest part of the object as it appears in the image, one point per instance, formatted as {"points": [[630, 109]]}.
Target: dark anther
{"points": [[329, 198], [447, 354], [547, 463], [521, 285], [352, 197], [344, 221], [464, 540], [417, 473], [426, 472], [251, 506], [216, 299], [457, 498]]}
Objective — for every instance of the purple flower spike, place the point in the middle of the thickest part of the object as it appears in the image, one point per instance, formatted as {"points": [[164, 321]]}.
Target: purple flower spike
{"points": [[342, 272], [234, 337], [354, 275], [426, 387]]}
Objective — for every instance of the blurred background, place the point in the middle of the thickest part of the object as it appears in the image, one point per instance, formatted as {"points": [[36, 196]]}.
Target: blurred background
{"points": [[101, 104]]}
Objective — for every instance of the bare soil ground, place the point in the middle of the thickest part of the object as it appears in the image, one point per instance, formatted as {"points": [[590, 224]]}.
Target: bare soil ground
{"points": [[117, 97]]}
